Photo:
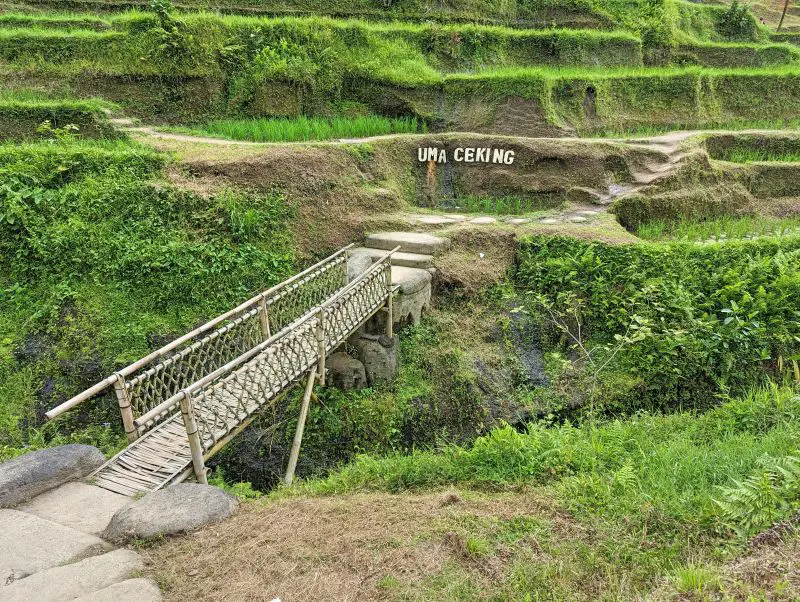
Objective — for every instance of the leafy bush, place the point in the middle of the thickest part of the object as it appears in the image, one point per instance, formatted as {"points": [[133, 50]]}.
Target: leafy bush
{"points": [[697, 320], [737, 22]]}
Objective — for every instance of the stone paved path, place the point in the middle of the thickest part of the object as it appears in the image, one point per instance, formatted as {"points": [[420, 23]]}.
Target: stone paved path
{"points": [[50, 550]]}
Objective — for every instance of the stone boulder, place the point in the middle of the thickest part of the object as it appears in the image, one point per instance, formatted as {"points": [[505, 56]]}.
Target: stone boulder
{"points": [[345, 372], [28, 475], [182, 507], [379, 354]]}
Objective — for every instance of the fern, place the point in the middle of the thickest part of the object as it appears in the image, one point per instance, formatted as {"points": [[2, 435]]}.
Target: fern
{"points": [[764, 497]]}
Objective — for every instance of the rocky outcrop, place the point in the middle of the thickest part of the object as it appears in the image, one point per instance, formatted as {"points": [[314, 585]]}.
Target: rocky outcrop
{"points": [[31, 474]]}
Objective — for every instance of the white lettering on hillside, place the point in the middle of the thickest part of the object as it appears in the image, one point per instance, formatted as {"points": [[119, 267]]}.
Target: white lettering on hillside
{"points": [[469, 154]]}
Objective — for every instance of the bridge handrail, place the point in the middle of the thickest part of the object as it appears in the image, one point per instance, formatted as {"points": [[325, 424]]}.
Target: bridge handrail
{"points": [[255, 306], [317, 344]]}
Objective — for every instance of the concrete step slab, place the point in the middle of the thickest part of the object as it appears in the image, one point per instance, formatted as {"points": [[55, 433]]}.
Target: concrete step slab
{"points": [[410, 280], [130, 590], [408, 260], [72, 580], [29, 544], [78, 505], [409, 242]]}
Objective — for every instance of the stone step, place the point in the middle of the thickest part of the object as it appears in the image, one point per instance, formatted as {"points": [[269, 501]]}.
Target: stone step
{"points": [[130, 590], [409, 242], [72, 580], [29, 544], [410, 280], [408, 260], [77, 505]]}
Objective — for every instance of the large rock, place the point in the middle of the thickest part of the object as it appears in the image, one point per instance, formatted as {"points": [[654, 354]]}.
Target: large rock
{"points": [[29, 544], [70, 581], [182, 507], [345, 372], [379, 355], [29, 475]]}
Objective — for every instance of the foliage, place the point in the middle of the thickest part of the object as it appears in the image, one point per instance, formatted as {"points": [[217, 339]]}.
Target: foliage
{"points": [[737, 22], [705, 319], [664, 472], [305, 128], [767, 494], [102, 262], [720, 228]]}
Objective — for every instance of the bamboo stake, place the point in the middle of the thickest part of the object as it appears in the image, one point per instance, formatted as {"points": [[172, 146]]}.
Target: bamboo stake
{"points": [[196, 447], [125, 408], [301, 425], [389, 301], [321, 345], [264, 317]]}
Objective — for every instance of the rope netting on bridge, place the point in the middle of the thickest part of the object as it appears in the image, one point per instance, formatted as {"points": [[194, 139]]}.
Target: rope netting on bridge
{"points": [[222, 374]]}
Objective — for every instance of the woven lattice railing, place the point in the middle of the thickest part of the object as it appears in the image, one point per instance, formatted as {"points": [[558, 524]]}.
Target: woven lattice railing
{"points": [[218, 404], [145, 387]]}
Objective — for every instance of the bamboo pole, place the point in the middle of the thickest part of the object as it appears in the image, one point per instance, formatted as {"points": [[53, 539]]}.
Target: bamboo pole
{"points": [[321, 345], [264, 317], [389, 301], [196, 447], [124, 400], [301, 425]]}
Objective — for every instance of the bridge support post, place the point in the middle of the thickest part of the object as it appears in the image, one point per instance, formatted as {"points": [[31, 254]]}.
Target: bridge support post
{"points": [[301, 425], [264, 317], [389, 302], [196, 447], [321, 345], [125, 408]]}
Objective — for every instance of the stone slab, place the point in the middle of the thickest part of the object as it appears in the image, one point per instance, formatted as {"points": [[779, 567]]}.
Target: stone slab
{"points": [[130, 590], [182, 507], [409, 242], [410, 280], [28, 475], [29, 544], [483, 220], [408, 260], [78, 505], [72, 580]]}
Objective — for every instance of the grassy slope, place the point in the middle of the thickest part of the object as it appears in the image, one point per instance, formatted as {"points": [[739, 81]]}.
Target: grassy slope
{"points": [[607, 512]]}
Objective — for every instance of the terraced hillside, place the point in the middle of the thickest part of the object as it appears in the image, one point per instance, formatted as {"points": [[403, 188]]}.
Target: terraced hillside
{"points": [[677, 65], [602, 402]]}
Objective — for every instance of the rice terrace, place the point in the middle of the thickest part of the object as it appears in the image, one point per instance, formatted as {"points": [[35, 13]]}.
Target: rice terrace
{"points": [[400, 300]]}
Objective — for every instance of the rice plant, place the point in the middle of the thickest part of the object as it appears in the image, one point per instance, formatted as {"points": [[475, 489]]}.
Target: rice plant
{"points": [[299, 129]]}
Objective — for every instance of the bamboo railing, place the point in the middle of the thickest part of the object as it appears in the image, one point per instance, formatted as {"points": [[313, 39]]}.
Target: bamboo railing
{"points": [[223, 402], [144, 387]]}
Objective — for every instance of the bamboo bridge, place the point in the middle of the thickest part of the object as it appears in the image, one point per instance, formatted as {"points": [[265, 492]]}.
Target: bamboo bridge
{"points": [[182, 403]]}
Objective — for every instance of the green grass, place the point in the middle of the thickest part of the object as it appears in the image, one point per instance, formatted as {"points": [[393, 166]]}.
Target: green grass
{"points": [[507, 205], [727, 227], [677, 465], [739, 155], [305, 128], [645, 131]]}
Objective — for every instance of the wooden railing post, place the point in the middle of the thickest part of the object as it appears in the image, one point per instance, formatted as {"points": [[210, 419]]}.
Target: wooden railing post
{"points": [[346, 261], [321, 345], [264, 317], [124, 400], [294, 454], [389, 301], [195, 445]]}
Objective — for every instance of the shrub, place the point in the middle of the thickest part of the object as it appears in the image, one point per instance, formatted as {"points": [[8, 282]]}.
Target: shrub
{"points": [[700, 319]]}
